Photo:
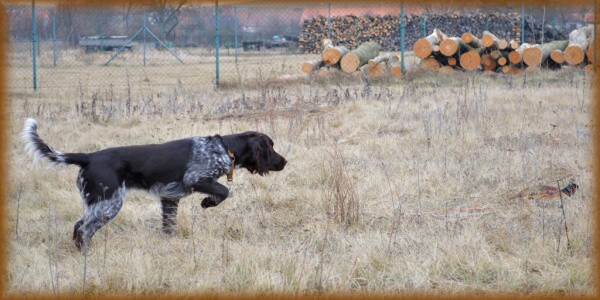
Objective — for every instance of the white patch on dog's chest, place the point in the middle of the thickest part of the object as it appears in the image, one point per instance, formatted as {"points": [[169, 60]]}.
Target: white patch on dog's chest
{"points": [[209, 160]]}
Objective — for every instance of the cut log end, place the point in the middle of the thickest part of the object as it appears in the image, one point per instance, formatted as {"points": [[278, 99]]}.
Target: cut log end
{"points": [[515, 57], [557, 56], [488, 40], [589, 53], [574, 55], [311, 66], [331, 55], [452, 61], [467, 37], [502, 61], [448, 47], [514, 45], [502, 44], [488, 62], [470, 60], [429, 63], [422, 48], [532, 56], [350, 63]]}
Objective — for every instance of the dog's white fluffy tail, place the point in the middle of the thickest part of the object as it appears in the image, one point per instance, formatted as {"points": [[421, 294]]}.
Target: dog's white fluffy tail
{"points": [[37, 149]]}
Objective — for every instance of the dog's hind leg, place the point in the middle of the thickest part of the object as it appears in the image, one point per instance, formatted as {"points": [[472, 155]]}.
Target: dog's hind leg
{"points": [[169, 214], [96, 215]]}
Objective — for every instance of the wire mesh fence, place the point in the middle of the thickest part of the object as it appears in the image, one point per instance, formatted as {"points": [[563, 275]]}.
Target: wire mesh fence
{"points": [[176, 43]]}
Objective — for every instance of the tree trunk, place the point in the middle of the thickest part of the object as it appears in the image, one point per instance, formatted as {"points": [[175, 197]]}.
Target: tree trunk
{"points": [[578, 44], [453, 45], [424, 46], [359, 56], [332, 55], [502, 44], [311, 66], [537, 55], [379, 59], [516, 56], [489, 40], [471, 40]]}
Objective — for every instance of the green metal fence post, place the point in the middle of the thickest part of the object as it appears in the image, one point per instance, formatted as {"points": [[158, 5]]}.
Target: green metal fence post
{"points": [[424, 24], [523, 24], [329, 22], [54, 35], [356, 31], [33, 41], [217, 42], [235, 24], [145, 17], [402, 27], [101, 37]]}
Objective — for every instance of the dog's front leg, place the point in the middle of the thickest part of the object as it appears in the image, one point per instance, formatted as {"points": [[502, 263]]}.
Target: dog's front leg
{"points": [[216, 191]]}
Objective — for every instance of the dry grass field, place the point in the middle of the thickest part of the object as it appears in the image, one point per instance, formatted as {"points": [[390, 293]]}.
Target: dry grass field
{"points": [[369, 201]]}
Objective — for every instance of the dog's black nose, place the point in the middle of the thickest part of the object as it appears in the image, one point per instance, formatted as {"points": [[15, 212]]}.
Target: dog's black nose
{"points": [[281, 164]]}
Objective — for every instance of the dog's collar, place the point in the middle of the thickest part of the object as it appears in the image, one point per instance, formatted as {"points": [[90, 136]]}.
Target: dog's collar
{"points": [[230, 173]]}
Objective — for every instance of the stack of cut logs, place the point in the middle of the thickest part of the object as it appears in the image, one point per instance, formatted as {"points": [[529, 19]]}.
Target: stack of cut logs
{"points": [[366, 60], [351, 31], [492, 54]]}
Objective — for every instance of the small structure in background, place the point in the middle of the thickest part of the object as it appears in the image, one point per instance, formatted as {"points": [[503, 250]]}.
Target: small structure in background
{"points": [[104, 43]]}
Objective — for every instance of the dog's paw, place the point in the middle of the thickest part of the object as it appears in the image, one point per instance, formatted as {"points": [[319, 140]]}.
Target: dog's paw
{"points": [[209, 202], [170, 231]]}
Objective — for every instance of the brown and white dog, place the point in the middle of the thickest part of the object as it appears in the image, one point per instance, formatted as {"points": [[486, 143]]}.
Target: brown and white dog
{"points": [[172, 170]]}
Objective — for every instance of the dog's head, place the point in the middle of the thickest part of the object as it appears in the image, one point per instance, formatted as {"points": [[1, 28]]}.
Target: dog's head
{"points": [[256, 153]]}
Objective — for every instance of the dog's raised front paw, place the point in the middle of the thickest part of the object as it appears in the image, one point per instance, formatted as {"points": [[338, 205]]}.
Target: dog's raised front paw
{"points": [[209, 202]]}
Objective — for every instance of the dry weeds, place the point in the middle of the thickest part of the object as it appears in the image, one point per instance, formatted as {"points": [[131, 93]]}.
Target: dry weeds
{"points": [[431, 143]]}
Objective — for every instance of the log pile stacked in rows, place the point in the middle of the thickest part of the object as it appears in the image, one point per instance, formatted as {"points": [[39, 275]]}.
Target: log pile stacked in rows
{"points": [[490, 53], [366, 60], [350, 31]]}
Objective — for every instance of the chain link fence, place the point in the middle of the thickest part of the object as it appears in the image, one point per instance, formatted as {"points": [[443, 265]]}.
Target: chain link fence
{"points": [[176, 43]]}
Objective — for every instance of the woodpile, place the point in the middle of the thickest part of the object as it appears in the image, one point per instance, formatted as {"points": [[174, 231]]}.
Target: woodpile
{"points": [[364, 60], [492, 53], [351, 31]]}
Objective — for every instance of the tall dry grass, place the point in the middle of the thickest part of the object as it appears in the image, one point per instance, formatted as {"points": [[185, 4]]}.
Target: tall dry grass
{"points": [[430, 143]]}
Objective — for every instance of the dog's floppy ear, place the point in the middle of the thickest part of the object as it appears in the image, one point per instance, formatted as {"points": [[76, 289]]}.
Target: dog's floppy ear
{"points": [[259, 154]]}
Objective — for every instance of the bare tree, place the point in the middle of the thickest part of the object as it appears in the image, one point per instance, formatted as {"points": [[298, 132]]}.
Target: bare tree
{"points": [[167, 14]]}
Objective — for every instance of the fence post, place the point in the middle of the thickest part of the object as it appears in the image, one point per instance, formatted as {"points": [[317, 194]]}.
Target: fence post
{"points": [[33, 40], [522, 23], [424, 24], [54, 35], [217, 42], [145, 18], [235, 23], [356, 31], [101, 37], [329, 21], [402, 27]]}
